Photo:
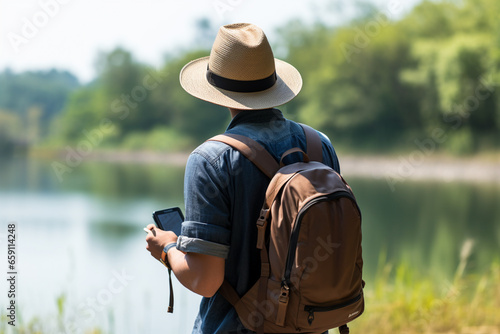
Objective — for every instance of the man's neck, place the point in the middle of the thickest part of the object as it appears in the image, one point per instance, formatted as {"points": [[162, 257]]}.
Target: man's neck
{"points": [[234, 112]]}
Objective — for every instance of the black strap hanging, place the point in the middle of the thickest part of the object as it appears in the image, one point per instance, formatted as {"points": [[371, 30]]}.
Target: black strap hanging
{"points": [[171, 301]]}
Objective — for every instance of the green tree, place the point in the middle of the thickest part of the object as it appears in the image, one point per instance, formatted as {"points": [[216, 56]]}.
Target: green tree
{"points": [[376, 83], [456, 71], [352, 85], [11, 133], [46, 90], [188, 115]]}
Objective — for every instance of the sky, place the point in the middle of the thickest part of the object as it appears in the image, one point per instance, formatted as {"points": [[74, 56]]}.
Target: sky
{"points": [[68, 34]]}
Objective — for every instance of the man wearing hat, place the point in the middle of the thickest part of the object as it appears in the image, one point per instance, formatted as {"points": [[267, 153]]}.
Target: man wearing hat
{"points": [[224, 191]]}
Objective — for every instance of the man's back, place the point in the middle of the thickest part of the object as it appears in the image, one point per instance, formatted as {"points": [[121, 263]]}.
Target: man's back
{"points": [[224, 193], [223, 190]]}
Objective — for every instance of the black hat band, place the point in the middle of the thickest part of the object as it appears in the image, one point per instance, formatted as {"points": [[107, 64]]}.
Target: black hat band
{"points": [[241, 86]]}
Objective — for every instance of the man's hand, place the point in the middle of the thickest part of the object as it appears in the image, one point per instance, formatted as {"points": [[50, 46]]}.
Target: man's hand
{"points": [[200, 273], [157, 239]]}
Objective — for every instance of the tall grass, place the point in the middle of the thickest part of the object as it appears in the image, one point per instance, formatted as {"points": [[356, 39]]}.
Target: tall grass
{"points": [[400, 300], [404, 300], [54, 324]]}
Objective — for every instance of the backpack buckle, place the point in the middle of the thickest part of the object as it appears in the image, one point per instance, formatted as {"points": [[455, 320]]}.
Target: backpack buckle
{"points": [[285, 291], [263, 216], [261, 227], [282, 304]]}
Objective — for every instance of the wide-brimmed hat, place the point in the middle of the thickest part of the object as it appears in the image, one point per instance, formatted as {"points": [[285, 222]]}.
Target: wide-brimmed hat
{"points": [[241, 71]]}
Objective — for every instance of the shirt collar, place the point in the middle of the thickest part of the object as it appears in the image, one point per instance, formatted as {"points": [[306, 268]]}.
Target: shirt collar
{"points": [[255, 116]]}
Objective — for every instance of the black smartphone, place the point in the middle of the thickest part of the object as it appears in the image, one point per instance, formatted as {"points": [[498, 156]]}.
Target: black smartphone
{"points": [[169, 219]]}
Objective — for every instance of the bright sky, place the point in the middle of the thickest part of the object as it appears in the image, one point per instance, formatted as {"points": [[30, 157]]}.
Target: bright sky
{"points": [[68, 34]]}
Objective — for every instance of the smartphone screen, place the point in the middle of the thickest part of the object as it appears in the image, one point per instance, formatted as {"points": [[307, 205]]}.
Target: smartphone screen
{"points": [[169, 219]]}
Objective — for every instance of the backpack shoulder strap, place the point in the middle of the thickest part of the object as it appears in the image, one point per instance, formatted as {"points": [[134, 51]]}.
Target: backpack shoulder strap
{"points": [[252, 150], [314, 144]]}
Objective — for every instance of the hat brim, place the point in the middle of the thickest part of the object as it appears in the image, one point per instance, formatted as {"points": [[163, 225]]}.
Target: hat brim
{"points": [[288, 84]]}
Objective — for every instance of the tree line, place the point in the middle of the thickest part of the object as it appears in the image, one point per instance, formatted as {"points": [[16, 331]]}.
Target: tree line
{"points": [[377, 84]]}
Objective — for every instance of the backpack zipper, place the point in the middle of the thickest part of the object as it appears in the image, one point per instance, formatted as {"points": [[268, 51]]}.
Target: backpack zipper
{"points": [[292, 245], [312, 309]]}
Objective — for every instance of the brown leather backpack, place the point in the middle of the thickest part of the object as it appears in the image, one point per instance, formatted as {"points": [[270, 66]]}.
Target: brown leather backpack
{"points": [[309, 234]]}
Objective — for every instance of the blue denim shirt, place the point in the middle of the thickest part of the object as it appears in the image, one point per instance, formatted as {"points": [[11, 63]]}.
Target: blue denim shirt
{"points": [[223, 194]]}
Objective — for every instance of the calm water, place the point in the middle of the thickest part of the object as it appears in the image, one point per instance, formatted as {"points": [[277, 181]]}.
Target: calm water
{"points": [[81, 239]]}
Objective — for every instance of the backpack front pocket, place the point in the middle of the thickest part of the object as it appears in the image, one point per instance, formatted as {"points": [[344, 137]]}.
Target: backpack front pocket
{"points": [[331, 316]]}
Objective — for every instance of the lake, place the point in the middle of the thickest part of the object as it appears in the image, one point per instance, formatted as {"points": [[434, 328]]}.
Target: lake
{"points": [[80, 243]]}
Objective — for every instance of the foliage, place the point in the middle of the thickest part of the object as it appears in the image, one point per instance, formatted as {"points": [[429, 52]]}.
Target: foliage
{"points": [[162, 139], [138, 100], [399, 300], [383, 83], [377, 84], [10, 127], [403, 300], [44, 90]]}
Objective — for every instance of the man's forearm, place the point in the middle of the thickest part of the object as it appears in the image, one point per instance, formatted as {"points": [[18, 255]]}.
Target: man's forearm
{"points": [[200, 273]]}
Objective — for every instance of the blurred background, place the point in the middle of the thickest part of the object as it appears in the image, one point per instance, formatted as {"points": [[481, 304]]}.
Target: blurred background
{"points": [[95, 131]]}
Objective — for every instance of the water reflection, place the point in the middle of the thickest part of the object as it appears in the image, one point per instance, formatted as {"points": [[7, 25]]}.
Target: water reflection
{"points": [[76, 234], [426, 223]]}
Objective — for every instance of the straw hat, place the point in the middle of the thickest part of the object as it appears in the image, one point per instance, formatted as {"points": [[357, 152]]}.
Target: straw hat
{"points": [[241, 72]]}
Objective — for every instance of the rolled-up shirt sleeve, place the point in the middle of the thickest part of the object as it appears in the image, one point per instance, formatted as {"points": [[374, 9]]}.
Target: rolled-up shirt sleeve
{"points": [[207, 228]]}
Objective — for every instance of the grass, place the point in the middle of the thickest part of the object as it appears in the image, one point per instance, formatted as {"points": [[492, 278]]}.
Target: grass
{"points": [[406, 301], [48, 325], [400, 300]]}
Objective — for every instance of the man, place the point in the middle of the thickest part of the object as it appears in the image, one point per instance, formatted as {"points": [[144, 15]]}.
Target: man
{"points": [[224, 191]]}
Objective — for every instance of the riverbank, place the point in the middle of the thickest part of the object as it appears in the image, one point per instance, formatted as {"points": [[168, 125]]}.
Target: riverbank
{"points": [[408, 167], [394, 169]]}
